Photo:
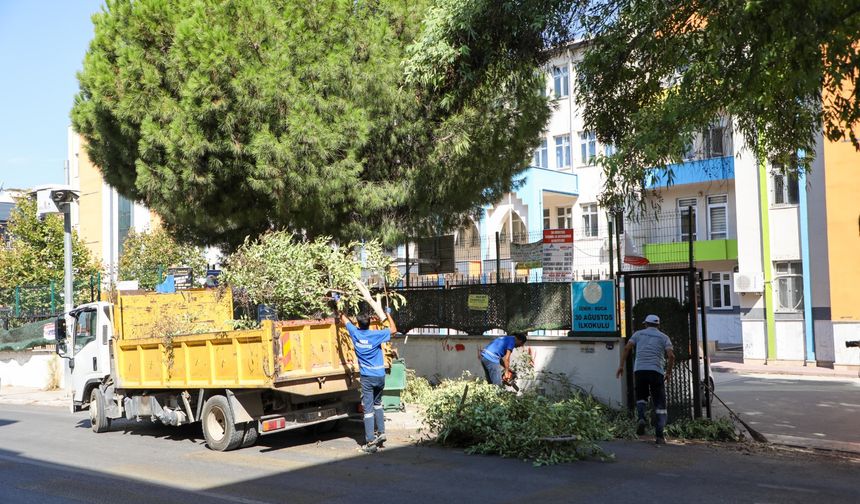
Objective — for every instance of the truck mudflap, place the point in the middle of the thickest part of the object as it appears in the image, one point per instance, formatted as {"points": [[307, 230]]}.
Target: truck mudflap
{"points": [[279, 422]]}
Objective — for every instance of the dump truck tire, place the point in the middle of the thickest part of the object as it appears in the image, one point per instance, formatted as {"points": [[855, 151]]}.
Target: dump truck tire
{"points": [[98, 418], [251, 435], [219, 426]]}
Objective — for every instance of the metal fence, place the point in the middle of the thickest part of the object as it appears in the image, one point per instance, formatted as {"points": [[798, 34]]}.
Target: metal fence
{"points": [[654, 239], [469, 259], [22, 304]]}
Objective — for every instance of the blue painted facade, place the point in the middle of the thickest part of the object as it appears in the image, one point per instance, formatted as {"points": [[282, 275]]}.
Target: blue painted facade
{"points": [[530, 187], [694, 172], [808, 324]]}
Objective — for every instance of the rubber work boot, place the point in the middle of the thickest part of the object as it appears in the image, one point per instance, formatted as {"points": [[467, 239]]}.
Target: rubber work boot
{"points": [[640, 428], [369, 448]]}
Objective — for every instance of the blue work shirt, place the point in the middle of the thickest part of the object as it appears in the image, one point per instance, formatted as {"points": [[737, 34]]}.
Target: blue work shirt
{"points": [[651, 345], [368, 350], [498, 348]]}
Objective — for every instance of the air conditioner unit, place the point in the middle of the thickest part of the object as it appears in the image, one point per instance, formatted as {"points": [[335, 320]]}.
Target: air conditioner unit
{"points": [[749, 282]]}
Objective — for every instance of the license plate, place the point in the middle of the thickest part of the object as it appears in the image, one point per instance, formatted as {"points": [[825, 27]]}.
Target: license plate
{"points": [[319, 415]]}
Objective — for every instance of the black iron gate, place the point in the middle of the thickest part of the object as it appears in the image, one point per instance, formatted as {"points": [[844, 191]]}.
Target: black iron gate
{"points": [[674, 296]]}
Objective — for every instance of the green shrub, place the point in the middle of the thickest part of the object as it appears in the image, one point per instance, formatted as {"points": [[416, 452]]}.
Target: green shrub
{"points": [[418, 388], [721, 429], [527, 426]]}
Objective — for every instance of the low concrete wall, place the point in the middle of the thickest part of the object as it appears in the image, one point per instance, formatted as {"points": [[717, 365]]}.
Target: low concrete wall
{"points": [[590, 363], [32, 368]]}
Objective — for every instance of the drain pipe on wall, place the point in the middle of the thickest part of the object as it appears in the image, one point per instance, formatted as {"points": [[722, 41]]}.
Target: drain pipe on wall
{"points": [[808, 323], [767, 265]]}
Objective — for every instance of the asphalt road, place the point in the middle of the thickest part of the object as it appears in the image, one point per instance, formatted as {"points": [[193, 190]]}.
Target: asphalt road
{"points": [[816, 408], [50, 456]]}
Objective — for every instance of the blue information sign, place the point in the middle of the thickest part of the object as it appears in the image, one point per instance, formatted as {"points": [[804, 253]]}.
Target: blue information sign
{"points": [[593, 306]]}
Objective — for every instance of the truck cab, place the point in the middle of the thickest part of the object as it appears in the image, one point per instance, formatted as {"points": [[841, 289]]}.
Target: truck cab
{"points": [[84, 338]]}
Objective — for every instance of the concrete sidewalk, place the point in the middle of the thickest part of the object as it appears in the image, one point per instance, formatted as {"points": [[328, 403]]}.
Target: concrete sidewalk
{"points": [[732, 362], [27, 395]]}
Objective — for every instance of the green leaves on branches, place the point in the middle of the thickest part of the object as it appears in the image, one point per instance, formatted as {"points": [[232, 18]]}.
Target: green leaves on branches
{"points": [[35, 253], [334, 118], [146, 257], [298, 277], [656, 73]]}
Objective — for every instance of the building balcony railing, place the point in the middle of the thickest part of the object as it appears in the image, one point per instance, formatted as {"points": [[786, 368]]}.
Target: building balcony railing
{"points": [[703, 250], [695, 172]]}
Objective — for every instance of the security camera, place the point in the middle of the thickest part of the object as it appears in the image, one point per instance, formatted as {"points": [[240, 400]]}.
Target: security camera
{"points": [[59, 196], [53, 199]]}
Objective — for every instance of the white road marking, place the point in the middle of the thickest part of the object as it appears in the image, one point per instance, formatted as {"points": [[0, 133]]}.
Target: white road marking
{"points": [[789, 488]]}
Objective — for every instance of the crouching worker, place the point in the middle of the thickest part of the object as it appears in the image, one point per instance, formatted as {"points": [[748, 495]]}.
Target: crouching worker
{"points": [[496, 357], [368, 349], [650, 372]]}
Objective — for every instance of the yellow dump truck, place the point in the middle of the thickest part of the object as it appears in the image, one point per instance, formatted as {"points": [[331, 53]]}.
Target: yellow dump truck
{"points": [[175, 358]]}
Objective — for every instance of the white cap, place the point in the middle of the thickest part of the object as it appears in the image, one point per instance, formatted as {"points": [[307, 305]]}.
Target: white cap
{"points": [[652, 319]]}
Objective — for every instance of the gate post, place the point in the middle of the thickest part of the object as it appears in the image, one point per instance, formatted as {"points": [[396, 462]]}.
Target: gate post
{"points": [[707, 365], [694, 332], [628, 321], [498, 259]]}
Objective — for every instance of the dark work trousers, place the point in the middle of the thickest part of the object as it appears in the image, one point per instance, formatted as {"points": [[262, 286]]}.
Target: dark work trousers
{"points": [[371, 401], [651, 384]]}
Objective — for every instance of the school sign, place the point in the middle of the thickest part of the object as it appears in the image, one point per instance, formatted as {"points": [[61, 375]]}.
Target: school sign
{"points": [[594, 307]]}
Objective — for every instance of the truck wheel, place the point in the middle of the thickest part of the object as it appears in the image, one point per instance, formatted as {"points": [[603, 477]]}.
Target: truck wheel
{"points": [[251, 434], [98, 419], [219, 427]]}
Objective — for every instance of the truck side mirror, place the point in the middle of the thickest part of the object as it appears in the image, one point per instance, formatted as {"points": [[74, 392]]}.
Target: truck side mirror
{"points": [[60, 329], [60, 336]]}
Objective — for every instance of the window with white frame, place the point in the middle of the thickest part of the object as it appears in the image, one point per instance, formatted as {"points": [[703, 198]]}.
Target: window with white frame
{"points": [[707, 144], [712, 142], [561, 81], [590, 276], [789, 285], [609, 150], [686, 220], [589, 219], [786, 190], [541, 157], [587, 147], [718, 222], [564, 217], [721, 290], [562, 151], [547, 223]]}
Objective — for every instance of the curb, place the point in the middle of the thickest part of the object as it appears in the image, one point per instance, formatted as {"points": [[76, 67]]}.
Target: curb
{"points": [[813, 443], [717, 368]]}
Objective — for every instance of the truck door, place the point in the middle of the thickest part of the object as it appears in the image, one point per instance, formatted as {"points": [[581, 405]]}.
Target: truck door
{"points": [[90, 340]]}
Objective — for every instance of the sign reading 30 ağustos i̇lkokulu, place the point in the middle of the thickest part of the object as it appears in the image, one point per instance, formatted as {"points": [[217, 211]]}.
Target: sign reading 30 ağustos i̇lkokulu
{"points": [[593, 306]]}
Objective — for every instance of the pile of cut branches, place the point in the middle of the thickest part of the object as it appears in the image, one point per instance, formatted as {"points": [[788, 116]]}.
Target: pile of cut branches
{"points": [[484, 419], [299, 278]]}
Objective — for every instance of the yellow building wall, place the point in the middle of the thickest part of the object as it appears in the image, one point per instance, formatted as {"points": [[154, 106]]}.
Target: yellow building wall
{"points": [[842, 168], [90, 228]]}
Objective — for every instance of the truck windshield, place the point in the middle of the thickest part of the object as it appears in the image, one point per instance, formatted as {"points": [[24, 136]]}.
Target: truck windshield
{"points": [[85, 328]]}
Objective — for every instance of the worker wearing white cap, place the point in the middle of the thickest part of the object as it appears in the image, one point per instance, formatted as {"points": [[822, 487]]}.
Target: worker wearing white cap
{"points": [[650, 371]]}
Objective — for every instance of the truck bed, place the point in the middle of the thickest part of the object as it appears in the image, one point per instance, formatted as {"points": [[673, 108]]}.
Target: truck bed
{"points": [[305, 357]]}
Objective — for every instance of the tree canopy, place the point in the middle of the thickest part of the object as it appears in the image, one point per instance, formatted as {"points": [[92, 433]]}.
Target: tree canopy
{"points": [[147, 255], [34, 258], [359, 119], [336, 118], [656, 72]]}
